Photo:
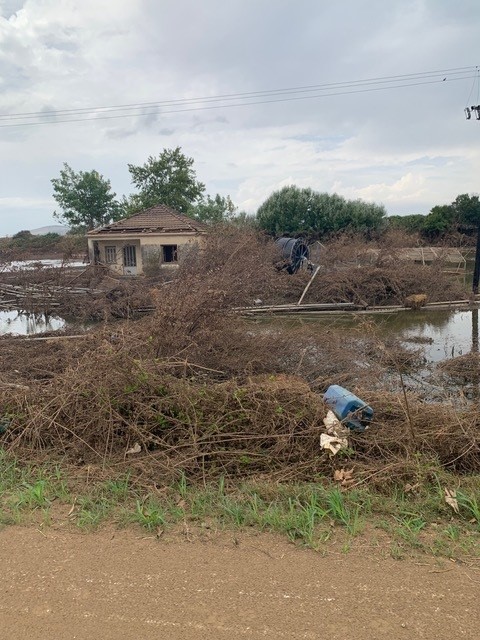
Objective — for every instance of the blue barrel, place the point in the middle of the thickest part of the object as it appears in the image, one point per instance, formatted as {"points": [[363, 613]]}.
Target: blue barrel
{"points": [[350, 410]]}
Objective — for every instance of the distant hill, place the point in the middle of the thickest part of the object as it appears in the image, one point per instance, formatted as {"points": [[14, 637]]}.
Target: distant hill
{"points": [[54, 228]]}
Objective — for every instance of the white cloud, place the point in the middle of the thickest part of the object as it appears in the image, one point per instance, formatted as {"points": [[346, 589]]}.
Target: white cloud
{"points": [[409, 147]]}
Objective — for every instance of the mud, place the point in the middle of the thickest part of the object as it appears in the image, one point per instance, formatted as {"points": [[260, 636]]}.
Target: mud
{"points": [[123, 585]]}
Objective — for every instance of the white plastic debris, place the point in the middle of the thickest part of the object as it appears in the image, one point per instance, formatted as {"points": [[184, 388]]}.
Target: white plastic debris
{"points": [[336, 436], [331, 421], [135, 449], [332, 443]]}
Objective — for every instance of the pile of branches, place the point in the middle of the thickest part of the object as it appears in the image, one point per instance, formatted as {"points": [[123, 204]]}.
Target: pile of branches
{"points": [[366, 274], [172, 417], [163, 416], [464, 369], [194, 389], [407, 431]]}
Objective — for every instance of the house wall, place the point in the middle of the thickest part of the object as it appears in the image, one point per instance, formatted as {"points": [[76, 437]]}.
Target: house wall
{"points": [[149, 249]]}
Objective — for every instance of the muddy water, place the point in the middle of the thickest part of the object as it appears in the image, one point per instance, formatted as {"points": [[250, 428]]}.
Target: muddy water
{"points": [[441, 334], [438, 334], [18, 323]]}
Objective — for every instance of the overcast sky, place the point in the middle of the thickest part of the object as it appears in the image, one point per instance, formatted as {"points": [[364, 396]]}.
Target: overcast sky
{"points": [[409, 148]]}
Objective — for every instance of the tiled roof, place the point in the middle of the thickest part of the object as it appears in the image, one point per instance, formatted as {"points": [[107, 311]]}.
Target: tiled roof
{"points": [[158, 219]]}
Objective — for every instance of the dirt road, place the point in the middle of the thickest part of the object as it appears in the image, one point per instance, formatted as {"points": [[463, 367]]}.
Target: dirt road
{"points": [[118, 585]]}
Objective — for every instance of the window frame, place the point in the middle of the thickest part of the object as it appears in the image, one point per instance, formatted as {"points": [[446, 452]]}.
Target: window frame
{"points": [[109, 249], [129, 256], [169, 250]]}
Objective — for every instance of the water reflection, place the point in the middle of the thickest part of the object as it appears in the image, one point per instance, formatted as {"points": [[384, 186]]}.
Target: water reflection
{"points": [[442, 334], [412, 320], [16, 323], [28, 265], [450, 333]]}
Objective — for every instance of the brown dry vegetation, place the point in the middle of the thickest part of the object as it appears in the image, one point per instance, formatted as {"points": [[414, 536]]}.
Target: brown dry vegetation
{"points": [[235, 269], [206, 393], [367, 274], [189, 418]]}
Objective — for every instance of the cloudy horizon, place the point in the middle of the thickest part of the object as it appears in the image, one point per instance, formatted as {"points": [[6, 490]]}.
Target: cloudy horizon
{"points": [[407, 147]]}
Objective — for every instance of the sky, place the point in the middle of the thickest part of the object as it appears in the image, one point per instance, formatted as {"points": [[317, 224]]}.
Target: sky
{"points": [[406, 147]]}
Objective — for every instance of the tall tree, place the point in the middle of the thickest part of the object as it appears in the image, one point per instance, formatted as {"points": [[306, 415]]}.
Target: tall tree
{"points": [[85, 198], [295, 211], [213, 210], [169, 179], [467, 209], [288, 211]]}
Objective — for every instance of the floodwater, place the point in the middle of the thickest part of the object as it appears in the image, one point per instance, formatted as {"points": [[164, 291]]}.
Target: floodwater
{"points": [[27, 265], [440, 334], [16, 323], [19, 323]]}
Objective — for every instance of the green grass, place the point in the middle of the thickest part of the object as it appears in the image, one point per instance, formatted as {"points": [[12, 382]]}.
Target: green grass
{"points": [[469, 505], [149, 514], [310, 514]]}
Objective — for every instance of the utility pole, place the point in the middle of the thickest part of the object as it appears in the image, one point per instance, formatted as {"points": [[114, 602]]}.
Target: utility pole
{"points": [[473, 109], [476, 272]]}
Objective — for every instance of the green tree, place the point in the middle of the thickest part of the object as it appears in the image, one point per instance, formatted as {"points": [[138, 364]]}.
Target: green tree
{"points": [[295, 211], [441, 220], [244, 219], [288, 211], [467, 209], [169, 179], [213, 210], [85, 198], [412, 223]]}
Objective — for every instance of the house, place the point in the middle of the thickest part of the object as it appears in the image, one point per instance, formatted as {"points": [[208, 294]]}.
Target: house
{"points": [[155, 237]]}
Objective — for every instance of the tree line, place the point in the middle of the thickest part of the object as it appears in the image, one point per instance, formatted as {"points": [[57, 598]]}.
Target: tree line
{"points": [[86, 200], [462, 216]]}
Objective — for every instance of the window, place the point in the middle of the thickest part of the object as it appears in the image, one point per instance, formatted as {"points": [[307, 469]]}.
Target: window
{"points": [[129, 256], [169, 252], [110, 255]]}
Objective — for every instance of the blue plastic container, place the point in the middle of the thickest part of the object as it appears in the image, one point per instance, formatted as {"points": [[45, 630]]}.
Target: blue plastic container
{"points": [[350, 410]]}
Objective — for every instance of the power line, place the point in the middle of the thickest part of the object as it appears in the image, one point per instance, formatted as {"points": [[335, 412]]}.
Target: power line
{"points": [[182, 105], [253, 94]]}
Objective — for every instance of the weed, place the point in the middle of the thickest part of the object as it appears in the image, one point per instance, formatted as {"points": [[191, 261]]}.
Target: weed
{"points": [[183, 486], [149, 514], [233, 510], [452, 532], [32, 495], [302, 512], [469, 504], [409, 527], [411, 522], [93, 510], [200, 503], [345, 514], [397, 552], [118, 489]]}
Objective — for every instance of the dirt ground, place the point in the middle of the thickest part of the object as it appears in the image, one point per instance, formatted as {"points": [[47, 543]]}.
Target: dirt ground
{"points": [[124, 586]]}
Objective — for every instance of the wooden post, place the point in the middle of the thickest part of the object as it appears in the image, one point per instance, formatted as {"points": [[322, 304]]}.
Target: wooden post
{"points": [[476, 272], [474, 330], [308, 285]]}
